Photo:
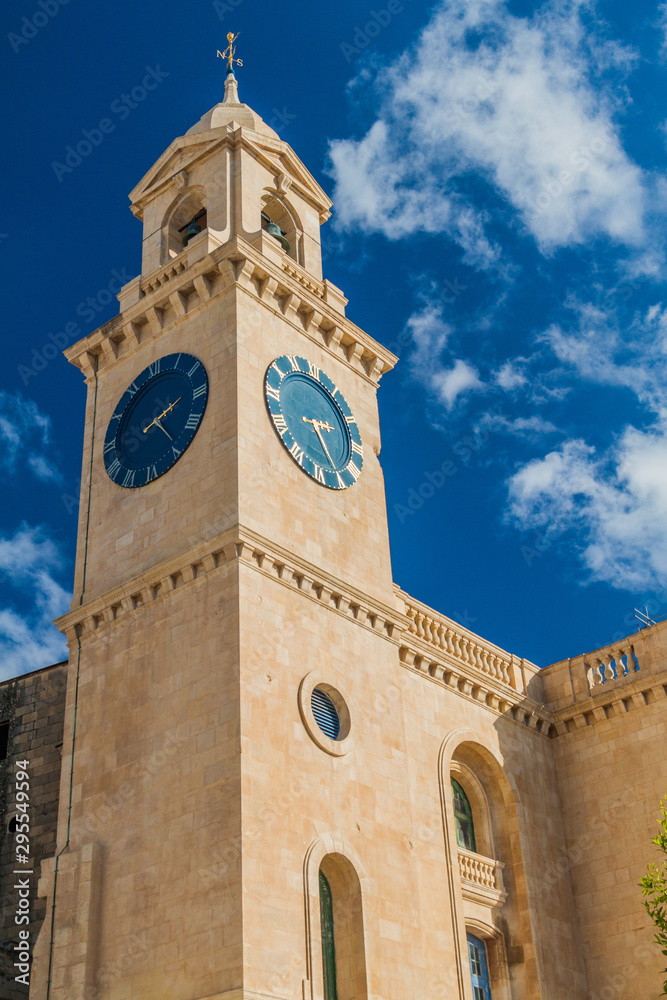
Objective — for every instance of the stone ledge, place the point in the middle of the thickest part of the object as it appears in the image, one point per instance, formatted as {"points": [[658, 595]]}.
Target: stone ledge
{"points": [[606, 705], [179, 289], [237, 544], [463, 680]]}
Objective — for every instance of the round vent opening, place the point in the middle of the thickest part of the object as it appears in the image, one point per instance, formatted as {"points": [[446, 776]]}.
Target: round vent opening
{"points": [[326, 715]]}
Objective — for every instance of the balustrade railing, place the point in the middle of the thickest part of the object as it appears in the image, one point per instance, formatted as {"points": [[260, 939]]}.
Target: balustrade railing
{"points": [[613, 663], [480, 875], [445, 635]]}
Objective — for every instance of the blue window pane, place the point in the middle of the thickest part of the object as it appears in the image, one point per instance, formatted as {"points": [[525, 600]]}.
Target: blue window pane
{"points": [[479, 968]]}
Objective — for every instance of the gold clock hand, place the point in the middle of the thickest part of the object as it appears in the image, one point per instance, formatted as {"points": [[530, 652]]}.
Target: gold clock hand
{"points": [[163, 414], [317, 424]]}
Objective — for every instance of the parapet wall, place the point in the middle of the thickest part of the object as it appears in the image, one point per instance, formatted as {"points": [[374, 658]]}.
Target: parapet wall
{"points": [[592, 687]]}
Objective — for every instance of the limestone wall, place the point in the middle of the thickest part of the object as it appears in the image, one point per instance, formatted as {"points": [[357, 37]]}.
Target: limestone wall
{"points": [[610, 712], [34, 707]]}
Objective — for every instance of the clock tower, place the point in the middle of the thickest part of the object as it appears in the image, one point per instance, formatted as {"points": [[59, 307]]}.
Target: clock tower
{"points": [[233, 600]]}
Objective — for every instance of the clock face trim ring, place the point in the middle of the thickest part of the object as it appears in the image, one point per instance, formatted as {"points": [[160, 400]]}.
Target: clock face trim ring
{"points": [[314, 422], [155, 420]]}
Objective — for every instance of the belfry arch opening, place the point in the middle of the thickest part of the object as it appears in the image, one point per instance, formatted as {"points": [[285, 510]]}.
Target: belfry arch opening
{"points": [[186, 220], [277, 212]]}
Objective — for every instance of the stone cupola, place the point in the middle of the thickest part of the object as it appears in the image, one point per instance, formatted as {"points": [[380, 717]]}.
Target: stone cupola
{"points": [[229, 176]]}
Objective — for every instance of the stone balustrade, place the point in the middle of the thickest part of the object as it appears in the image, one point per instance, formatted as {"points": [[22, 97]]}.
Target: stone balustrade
{"points": [[465, 647], [481, 878], [612, 663]]}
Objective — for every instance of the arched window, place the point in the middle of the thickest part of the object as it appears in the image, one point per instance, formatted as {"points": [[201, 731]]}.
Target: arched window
{"points": [[479, 968], [340, 946], [465, 830], [328, 940]]}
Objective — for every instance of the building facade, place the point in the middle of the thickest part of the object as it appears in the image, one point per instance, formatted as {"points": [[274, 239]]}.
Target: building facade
{"points": [[288, 779]]}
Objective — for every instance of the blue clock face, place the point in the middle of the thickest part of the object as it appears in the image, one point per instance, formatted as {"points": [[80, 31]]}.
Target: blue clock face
{"points": [[155, 420], [314, 422]]}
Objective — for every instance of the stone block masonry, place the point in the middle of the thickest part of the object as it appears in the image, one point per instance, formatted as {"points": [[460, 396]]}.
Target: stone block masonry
{"points": [[32, 708]]}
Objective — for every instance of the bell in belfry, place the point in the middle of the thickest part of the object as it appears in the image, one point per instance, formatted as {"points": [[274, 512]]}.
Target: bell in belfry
{"points": [[274, 230], [193, 229]]}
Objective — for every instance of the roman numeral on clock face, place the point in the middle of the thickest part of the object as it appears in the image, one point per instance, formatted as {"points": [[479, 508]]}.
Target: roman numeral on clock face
{"points": [[129, 478], [192, 421], [318, 474], [313, 370], [294, 363], [154, 368], [280, 423], [354, 471], [199, 391], [151, 473], [273, 393], [357, 449], [297, 453], [193, 369], [114, 468], [109, 446]]}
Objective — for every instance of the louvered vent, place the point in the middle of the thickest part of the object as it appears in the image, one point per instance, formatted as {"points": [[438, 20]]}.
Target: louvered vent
{"points": [[325, 714]]}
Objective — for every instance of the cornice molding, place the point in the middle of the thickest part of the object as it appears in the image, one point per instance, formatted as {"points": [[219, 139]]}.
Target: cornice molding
{"points": [[182, 287], [187, 150], [237, 545], [605, 705], [469, 682]]}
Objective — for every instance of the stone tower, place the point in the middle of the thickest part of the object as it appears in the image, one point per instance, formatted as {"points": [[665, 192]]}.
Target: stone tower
{"points": [[211, 599]]}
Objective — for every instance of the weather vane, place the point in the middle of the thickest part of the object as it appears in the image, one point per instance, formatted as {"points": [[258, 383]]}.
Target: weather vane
{"points": [[230, 52]]}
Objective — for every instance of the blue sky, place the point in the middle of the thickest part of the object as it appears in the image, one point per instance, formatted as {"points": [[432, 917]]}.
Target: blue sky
{"points": [[500, 199]]}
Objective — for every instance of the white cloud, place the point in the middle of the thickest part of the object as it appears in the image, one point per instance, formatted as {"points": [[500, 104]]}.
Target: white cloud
{"points": [[662, 25], [25, 436], [29, 561], [614, 504], [509, 376], [511, 100], [449, 383], [527, 427], [430, 334], [597, 350]]}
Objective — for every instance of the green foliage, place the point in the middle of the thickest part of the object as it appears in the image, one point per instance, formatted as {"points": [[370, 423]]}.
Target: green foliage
{"points": [[654, 885]]}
